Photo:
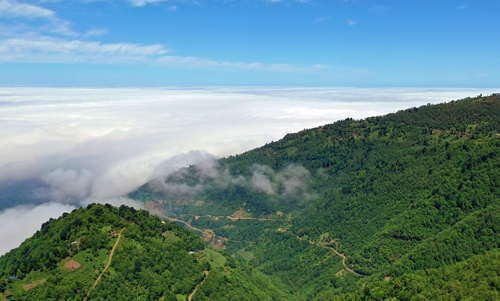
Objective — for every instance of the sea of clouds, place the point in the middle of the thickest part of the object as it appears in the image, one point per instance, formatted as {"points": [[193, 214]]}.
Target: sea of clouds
{"points": [[84, 145]]}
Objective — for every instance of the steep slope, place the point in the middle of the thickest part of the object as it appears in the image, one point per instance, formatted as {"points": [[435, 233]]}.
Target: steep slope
{"points": [[392, 194], [107, 253], [474, 279]]}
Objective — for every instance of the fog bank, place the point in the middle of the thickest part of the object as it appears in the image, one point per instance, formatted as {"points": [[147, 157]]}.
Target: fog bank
{"points": [[94, 145]]}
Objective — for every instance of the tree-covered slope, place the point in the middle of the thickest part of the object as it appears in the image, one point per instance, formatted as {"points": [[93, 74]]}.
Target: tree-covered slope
{"points": [[107, 253], [394, 194], [474, 279]]}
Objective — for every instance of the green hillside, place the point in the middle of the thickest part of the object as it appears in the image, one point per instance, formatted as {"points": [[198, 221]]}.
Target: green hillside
{"points": [[107, 253], [332, 209], [398, 207]]}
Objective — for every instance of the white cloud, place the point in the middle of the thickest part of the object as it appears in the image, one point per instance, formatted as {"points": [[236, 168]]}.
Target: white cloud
{"points": [[201, 63], [196, 62], [144, 2], [24, 11], [66, 186], [261, 179], [95, 33], [351, 22], [45, 49], [462, 6], [42, 49], [11, 9], [21, 222]]}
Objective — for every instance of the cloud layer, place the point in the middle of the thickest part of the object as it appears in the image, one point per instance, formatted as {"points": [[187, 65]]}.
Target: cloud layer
{"points": [[96, 145], [21, 222]]}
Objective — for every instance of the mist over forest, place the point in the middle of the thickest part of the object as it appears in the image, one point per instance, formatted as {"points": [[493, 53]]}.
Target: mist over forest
{"points": [[63, 148]]}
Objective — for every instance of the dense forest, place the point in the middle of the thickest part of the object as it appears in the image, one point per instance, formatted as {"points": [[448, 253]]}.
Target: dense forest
{"points": [[330, 209], [404, 206], [107, 253]]}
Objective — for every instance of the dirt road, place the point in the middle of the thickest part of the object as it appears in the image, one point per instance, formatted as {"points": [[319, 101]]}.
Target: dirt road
{"points": [[196, 288], [334, 250], [107, 265]]}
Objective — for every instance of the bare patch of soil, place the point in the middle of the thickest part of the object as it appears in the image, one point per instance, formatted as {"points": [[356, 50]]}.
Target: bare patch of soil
{"points": [[6, 294], [208, 235], [218, 242], [238, 214], [27, 287], [72, 265]]}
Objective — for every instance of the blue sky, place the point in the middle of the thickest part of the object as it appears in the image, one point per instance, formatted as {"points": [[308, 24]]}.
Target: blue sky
{"points": [[254, 42]]}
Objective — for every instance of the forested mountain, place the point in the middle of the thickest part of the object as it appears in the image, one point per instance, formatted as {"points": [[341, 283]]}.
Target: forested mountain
{"points": [[107, 253], [404, 206], [335, 208]]}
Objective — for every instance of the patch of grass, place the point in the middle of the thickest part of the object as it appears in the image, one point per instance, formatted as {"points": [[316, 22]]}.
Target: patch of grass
{"points": [[246, 255], [91, 266], [215, 258], [106, 229], [170, 237]]}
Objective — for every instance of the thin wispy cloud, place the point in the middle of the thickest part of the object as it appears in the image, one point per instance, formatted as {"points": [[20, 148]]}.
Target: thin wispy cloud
{"points": [[140, 3], [462, 6], [27, 44], [95, 33], [351, 22], [13, 9], [321, 20], [201, 63], [43, 49], [24, 12], [171, 6]]}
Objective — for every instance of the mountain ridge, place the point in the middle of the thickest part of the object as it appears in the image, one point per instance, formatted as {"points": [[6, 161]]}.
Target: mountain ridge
{"points": [[378, 187], [352, 210]]}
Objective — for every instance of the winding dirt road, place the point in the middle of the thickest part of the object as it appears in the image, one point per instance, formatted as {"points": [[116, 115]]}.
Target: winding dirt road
{"points": [[188, 225], [196, 288], [327, 247], [107, 265], [298, 237]]}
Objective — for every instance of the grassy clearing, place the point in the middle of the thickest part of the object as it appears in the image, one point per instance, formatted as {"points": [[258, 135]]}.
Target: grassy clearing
{"points": [[170, 237], [215, 259], [246, 255], [27, 287], [90, 266]]}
